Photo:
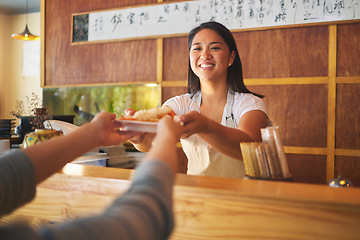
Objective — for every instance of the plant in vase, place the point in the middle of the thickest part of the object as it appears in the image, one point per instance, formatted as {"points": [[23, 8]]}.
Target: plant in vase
{"points": [[31, 128]]}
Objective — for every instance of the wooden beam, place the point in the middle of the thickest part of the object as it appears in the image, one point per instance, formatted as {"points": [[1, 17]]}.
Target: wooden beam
{"points": [[348, 79], [42, 43], [330, 166], [285, 81], [159, 60], [262, 81], [305, 150], [174, 83], [348, 152]]}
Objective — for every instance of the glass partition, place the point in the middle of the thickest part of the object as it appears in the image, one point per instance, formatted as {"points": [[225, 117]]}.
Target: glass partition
{"points": [[84, 102]]}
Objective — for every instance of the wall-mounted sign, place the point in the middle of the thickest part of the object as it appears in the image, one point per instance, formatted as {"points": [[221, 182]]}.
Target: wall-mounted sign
{"points": [[31, 58], [180, 17]]}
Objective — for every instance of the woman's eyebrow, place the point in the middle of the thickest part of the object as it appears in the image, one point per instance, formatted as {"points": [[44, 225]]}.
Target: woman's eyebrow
{"points": [[199, 43], [216, 43]]}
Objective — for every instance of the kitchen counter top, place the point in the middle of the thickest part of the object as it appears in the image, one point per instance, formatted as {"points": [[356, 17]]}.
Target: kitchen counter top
{"points": [[208, 207], [275, 189]]}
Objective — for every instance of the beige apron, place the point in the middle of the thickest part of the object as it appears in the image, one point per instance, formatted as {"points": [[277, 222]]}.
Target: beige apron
{"points": [[204, 159]]}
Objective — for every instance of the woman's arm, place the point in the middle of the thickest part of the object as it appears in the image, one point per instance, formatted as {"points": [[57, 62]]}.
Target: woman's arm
{"points": [[143, 141], [226, 140]]}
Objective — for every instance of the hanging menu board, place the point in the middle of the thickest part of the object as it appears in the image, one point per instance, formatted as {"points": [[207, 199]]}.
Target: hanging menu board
{"points": [[181, 17]]}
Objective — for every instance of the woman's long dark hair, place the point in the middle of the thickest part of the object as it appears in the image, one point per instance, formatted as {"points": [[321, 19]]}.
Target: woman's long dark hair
{"points": [[235, 79]]}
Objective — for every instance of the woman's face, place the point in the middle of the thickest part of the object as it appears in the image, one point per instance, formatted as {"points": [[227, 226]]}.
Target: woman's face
{"points": [[210, 56]]}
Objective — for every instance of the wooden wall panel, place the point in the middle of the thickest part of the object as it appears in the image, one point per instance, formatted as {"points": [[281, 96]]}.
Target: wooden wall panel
{"points": [[170, 92], [348, 116], [349, 168], [307, 168], [291, 52], [86, 64], [348, 57], [290, 106], [176, 59]]}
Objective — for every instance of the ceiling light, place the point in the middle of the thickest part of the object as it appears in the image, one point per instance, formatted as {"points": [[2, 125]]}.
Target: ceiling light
{"points": [[26, 34]]}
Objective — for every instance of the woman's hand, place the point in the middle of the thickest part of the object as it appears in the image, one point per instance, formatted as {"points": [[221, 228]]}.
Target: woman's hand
{"points": [[129, 112], [194, 122]]}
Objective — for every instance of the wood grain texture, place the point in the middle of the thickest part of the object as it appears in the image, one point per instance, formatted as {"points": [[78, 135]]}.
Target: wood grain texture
{"points": [[291, 52], [347, 116], [307, 168], [299, 110], [209, 207], [111, 62], [159, 59], [331, 115], [170, 92], [176, 59], [348, 56]]}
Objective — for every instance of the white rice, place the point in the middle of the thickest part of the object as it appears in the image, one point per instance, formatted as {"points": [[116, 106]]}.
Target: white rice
{"points": [[153, 114]]}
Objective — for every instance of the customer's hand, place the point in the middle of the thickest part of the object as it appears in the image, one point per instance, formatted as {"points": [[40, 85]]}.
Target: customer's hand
{"points": [[169, 128], [164, 145], [106, 130]]}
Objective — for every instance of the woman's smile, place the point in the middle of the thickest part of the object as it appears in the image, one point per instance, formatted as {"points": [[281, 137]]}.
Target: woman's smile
{"points": [[210, 56], [206, 65]]}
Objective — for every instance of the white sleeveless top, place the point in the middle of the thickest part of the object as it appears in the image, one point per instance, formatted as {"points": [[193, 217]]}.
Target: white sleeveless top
{"points": [[202, 158]]}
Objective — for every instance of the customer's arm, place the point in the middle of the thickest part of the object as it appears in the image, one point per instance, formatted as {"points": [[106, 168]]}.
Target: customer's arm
{"points": [[17, 181], [145, 210], [50, 156], [21, 170]]}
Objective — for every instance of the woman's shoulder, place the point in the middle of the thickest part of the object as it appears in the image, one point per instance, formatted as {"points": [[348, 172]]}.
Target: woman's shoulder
{"points": [[183, 98], [247, 97], [245, 102], [180, 104]]}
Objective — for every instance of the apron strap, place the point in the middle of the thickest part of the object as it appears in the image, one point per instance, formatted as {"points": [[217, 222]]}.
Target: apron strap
{"points": [[229, 116], [197, 99]]}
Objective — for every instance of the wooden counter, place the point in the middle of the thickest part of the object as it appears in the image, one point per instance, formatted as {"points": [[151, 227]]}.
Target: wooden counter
{"points": [[207, 207]]}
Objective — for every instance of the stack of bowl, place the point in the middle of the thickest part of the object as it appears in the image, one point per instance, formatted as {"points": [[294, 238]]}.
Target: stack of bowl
{"points": [[6, 127]]}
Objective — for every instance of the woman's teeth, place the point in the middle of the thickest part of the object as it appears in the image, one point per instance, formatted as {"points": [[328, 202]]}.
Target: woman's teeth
{"points": [[206, 65]]}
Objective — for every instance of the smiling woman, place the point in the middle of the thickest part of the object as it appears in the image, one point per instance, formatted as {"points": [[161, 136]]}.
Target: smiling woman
{"points": [[218, 111], [210, 57]]}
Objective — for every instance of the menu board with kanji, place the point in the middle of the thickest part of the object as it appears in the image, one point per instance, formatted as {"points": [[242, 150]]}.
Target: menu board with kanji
{"points": [[180, 17]]}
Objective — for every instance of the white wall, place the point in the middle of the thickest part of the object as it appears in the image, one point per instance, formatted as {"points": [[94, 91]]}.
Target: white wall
{"points": [[13, 85], [3, 32]]}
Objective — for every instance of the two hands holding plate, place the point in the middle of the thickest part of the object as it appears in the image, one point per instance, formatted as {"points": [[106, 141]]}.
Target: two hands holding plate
{"points": [[146, 122], [149, 122]]}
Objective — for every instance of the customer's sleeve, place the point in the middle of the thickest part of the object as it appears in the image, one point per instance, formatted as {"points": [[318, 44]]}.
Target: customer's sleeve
{"points": [[17, 181], [143, 212]]}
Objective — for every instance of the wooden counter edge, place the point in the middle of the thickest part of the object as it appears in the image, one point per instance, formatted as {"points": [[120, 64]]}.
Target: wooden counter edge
{"points": [[245, 187]]}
